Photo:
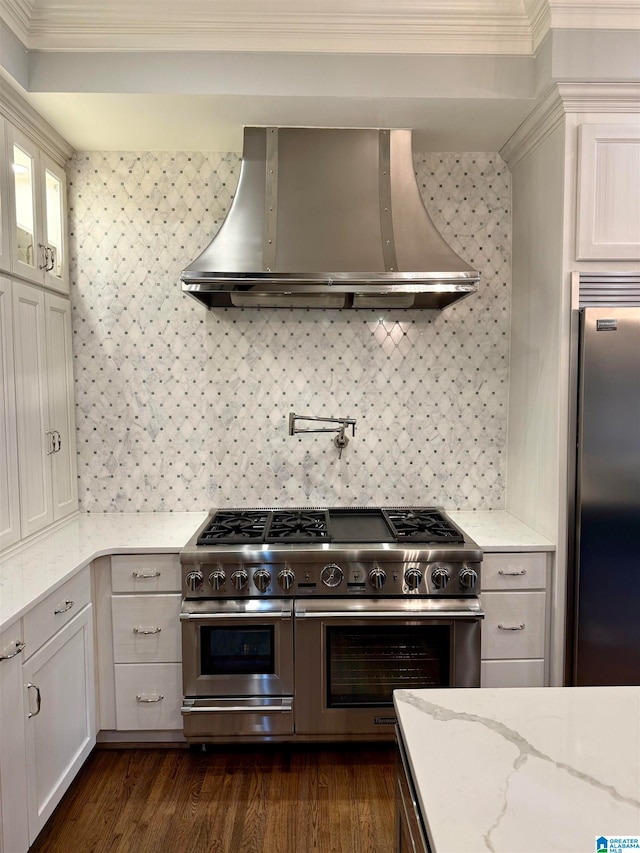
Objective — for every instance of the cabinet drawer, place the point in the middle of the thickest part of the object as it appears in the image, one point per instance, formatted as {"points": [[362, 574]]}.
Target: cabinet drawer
{"points": [[145, 573], [148, 696], [146, 628], [514, 571], [42, 621], [514, 625], [512, 673]]}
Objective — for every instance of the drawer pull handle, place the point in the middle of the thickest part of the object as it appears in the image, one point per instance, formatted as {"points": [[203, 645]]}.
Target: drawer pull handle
{"points": [[147, 573], [38, 700], [141, 697], [66, 606], [147, 630], [512, 574], [19, 646], [519, 627]]}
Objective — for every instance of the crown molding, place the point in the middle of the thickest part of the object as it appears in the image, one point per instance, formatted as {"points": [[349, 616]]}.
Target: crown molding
{"points": [[534, 130], [21, 115], [428, 26], [539, 16], [562, 99], [600, 97], [594, 14]]}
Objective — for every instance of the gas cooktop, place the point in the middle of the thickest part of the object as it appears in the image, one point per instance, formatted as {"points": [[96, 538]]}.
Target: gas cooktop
{"points": [[312, 551], [333, 525]]}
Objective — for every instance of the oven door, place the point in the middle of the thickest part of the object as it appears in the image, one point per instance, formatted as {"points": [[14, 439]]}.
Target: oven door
{"points": [[351, 656], [237, 648]]}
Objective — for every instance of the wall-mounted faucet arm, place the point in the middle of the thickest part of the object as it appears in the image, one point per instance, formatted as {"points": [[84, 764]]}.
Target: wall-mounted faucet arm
{"points": [[340, 424]]}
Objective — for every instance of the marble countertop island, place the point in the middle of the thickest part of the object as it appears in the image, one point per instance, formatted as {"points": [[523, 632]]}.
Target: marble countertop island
{"points": [[524, 769]]}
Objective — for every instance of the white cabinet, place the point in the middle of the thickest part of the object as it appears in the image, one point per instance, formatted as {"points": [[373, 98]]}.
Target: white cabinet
{"points": [[47, 709], [14, 825], [5, 253], [37, 214], [608, 210], [44, 407], [515, 629], [60, 727], [9, 503], [59, 697], [139, 646]]}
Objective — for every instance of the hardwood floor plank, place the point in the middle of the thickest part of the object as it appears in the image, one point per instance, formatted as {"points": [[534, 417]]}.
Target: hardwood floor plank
{"points": [[269, 799]]}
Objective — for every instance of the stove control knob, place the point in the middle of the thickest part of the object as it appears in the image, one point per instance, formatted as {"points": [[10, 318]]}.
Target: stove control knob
{"points": [[194, 581], [377, 577], [240, 579], [286, 578], [332, 575], [468, 578], [440, 577], [217, 579], [413, 578], [262, 579]]}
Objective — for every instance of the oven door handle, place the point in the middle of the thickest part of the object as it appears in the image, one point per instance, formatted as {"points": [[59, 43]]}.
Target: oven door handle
{"points": [[386, 614], [260, 616], [284, 705]]}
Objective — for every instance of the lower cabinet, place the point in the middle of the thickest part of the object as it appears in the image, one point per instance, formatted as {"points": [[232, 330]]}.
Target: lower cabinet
{"points": [[59, 724], [47, 709], [14, 821], [515, 629], [139, 647]]}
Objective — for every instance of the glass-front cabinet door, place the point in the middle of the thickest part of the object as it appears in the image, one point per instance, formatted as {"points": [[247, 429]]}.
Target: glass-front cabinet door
{"points": [[5, 254], [37, 196], [55, 224], [27, 247]]}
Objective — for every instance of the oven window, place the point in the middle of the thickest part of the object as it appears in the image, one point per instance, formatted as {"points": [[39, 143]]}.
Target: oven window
{"points": [[366, 664], [237, 651]]}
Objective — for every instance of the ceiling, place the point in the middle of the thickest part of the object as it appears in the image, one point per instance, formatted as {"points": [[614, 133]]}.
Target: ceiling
{"points": [[156, 74]]}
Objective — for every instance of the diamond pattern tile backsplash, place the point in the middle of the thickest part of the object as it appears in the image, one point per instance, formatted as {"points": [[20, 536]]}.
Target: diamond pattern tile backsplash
{"points": [[179, 408]]}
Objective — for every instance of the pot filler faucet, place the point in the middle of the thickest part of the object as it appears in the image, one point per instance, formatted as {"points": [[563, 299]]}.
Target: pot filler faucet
{"points": [[340, 427]]}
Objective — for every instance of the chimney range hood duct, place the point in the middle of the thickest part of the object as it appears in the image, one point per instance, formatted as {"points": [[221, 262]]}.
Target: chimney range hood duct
{"points": [[328, 218]]}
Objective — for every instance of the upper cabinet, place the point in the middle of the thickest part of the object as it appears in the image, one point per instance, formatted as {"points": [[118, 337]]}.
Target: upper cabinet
{"points": [[5, 254], [608, 214], [44, 407], [36, 213]]}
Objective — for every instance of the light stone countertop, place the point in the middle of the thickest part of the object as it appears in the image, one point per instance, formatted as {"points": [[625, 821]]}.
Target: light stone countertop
{"points": [[30, 572], [529, 769], [499, 531]]}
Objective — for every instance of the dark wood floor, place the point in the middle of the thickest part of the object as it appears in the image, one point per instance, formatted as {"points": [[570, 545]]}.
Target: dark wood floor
{"points": [[275, 799]]}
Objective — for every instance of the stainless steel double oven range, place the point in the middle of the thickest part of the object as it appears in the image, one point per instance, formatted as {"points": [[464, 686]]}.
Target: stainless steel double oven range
{"points": [[298, 624]]}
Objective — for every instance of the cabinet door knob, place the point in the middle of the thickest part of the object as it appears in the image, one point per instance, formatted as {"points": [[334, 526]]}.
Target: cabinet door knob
{"points": [[146, 573], [66, 606], [147, 630], [519, 627], [513, 573], [157, 697]]}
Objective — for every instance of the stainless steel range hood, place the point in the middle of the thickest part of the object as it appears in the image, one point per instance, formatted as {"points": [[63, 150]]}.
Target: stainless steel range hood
{"points": [[329, 218]]}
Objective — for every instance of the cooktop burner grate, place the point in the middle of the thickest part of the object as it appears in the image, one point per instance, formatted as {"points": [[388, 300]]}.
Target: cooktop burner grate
{"points": [[298, 526], [235, 526], [422, 525]]}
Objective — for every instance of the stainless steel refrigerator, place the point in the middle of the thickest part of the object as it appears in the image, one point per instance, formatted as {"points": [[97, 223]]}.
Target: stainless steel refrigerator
{"points": [[604, 561]]}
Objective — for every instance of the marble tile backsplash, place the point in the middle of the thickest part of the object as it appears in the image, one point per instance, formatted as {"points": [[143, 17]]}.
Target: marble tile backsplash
{"points": [[183, 409]]}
